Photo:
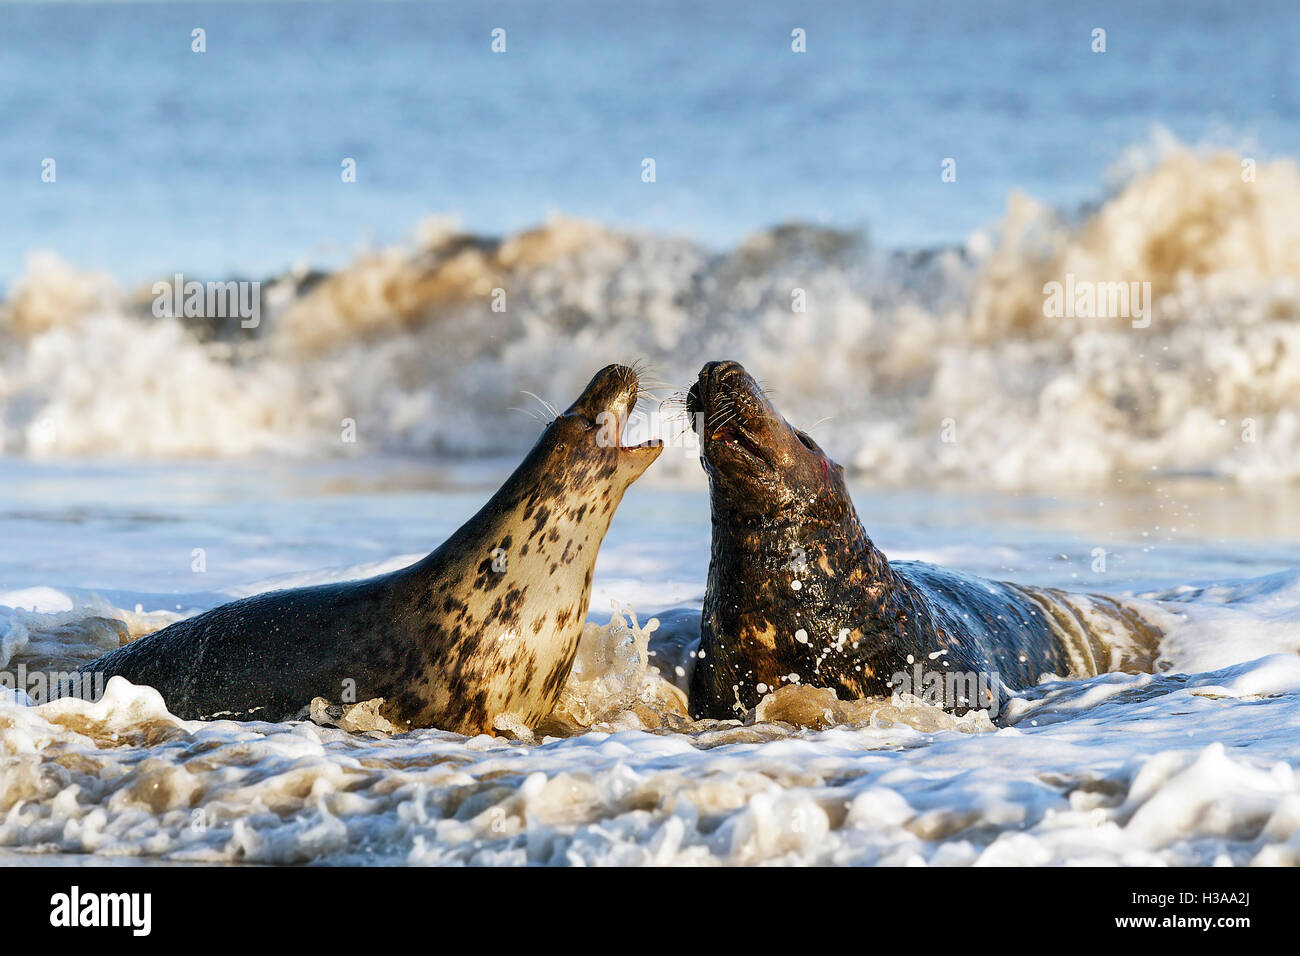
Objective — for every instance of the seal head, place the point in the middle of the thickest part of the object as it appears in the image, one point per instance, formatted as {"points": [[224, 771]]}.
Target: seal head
{"points": [[761, 466]]}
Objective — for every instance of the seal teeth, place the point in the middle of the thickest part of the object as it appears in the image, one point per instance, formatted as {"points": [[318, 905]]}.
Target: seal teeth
{"points": [[731, 433], [622, 415], [622, 438], [622, 408]]}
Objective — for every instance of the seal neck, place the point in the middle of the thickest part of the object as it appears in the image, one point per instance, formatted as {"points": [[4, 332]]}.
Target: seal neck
{"points": [[745, 543], [535, 526]]}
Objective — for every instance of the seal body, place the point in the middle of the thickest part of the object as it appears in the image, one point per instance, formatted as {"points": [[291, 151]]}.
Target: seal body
{"points": [[488, 624], [797, 593]]}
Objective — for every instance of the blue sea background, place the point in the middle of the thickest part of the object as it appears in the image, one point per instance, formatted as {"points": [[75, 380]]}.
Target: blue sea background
{"points": [[228, 162]]}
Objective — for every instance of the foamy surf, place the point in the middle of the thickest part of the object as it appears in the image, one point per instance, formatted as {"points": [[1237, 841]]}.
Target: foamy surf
{"points": [[929, 366], [621, 775]]}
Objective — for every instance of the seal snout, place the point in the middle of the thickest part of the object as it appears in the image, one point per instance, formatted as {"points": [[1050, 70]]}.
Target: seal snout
{"points": [[730, 412], [607, 403]]}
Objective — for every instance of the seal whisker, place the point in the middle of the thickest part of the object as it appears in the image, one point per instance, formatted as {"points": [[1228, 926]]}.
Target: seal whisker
{"points": [[555, 412], [631, 372], [533, 415], [677, 415], [639, 367], [726, 407], [681, 420], [722, 419], [649, 393]]}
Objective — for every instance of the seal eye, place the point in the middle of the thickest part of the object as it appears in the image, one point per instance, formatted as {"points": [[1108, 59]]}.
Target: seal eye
{"points": [[806, 441]]}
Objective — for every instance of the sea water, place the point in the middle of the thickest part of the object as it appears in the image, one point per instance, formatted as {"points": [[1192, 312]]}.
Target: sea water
{"points": [[1192, 764]]}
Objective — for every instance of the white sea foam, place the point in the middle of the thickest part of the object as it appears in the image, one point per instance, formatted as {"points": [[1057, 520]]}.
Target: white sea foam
{"points": [[805, 781], [405, 344]]}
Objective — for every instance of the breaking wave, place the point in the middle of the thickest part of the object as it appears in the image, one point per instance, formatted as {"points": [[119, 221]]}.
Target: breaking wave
{"points": [[929, 365]]}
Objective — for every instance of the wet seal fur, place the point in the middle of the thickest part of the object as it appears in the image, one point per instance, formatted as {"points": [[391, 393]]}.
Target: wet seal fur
{"points": [[797, 592], [486, 625]]}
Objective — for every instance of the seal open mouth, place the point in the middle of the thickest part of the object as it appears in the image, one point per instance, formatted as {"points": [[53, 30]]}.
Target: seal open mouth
{"points": [[734, 436], [621, 415], [607, 404]]}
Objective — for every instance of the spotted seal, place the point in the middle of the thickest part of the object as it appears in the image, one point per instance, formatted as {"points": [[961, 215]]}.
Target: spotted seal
{"points": [[797, 592], [488, 624]]}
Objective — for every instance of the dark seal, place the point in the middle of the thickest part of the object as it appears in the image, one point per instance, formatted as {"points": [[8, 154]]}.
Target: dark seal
{"points": [[798, 594], [486, 625]]}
